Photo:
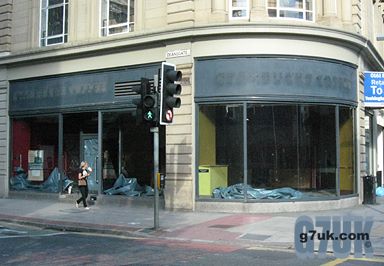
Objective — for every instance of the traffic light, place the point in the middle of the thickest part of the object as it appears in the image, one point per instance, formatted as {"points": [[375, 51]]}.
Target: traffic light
{"points": [[149, 101], [139, 104], [146, 105], [168, 90]]}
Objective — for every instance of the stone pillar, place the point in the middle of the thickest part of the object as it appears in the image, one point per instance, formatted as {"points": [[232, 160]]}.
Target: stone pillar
{"points": [[330, 14], [346, 8], [258, 10], [219, 11], [4, 154], [330, 8]]}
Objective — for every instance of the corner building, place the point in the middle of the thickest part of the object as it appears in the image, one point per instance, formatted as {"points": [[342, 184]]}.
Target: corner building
{"points": [[272, 115]]}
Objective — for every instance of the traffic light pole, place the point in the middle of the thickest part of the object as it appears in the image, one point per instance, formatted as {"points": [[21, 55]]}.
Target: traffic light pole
{"points": [[155, 131]]}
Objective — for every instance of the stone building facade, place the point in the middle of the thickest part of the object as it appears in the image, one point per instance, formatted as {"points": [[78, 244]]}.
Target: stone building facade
{"points": [[62, 63]]}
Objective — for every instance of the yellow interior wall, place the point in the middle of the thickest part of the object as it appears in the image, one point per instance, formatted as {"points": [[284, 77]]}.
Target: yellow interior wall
{"points": [[207, 140], [346, 156]]}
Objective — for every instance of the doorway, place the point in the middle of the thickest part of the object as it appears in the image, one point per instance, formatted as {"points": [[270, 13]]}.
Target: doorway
{"points": [[80, 143], [89, 152]]}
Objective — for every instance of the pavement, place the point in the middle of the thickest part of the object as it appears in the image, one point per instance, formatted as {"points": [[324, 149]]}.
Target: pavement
{"points": [[212, 229]]}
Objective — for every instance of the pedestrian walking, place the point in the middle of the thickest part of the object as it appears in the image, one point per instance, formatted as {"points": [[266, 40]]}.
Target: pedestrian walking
{"points": [[83, 173]]}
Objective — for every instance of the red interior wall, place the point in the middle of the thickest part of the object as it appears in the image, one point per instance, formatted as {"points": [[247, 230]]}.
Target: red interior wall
{"points": [[20, 144]]}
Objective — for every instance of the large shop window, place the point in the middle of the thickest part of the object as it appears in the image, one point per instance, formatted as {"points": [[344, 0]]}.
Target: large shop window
{"points": [[127, 165], [34, 154], [293, 9], [291, 151], [54, 22], [221, 161], [128, 155], [117, 16]]}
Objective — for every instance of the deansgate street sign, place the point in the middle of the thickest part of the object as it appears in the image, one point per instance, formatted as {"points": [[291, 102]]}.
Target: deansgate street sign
{"points": [[178, 53]]}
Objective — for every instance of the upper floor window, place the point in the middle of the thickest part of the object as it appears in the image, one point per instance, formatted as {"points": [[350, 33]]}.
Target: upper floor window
{"points": [[54, 22], [239, 9], [117, 16], [296, 9]]}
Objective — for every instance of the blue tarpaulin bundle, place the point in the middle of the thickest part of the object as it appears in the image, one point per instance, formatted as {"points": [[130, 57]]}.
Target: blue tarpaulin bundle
{"points": [[380, 191], [20, 182], [129, 187], [237, 192]]}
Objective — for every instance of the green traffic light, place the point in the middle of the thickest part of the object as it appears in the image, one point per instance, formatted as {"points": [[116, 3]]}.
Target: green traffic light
{"points": [[149, 116]]}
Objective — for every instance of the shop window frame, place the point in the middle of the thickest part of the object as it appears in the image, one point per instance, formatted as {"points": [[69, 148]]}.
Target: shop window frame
{"points": [[56, 116], [245, 152]]}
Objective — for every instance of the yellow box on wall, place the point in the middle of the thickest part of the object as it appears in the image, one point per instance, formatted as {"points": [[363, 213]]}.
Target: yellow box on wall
{"points": [[211, 177]]}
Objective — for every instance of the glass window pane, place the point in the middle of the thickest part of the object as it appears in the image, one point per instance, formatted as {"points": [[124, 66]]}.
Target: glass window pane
{"points": [[347, 180], [239, 13], [272, 146], [239, 3], [272, 12], [115, 30], [55, 21], [66, 20], [291, 14], [220, 149], [309, 5], [291, 3], [272, 3], [309, 16], [118, 10], [55, 40], [317, 150], [54, 2], [132, 11]]}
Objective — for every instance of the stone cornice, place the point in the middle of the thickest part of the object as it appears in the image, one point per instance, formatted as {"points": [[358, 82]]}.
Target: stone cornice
{"points": [[148, 39]]}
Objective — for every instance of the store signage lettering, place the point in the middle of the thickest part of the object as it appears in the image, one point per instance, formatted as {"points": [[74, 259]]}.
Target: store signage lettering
{"points": [[283, 79], [60, 91], [374, 89], [266, 78]]}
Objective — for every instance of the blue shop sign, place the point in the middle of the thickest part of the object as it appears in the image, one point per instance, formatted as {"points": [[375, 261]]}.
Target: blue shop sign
{"points": [[374, 89]]}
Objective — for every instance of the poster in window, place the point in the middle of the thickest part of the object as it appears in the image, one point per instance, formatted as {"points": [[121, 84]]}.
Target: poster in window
{"points": [[36, 165]]}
